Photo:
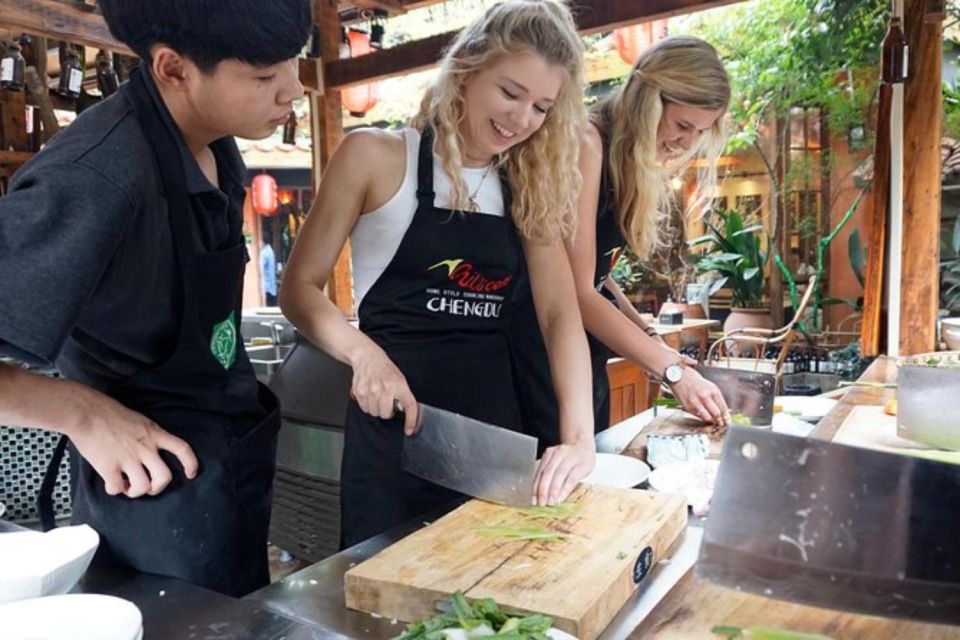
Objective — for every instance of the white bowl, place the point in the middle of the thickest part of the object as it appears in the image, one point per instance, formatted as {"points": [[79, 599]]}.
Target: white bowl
{"points": [[42, 564], [77, 616], [950, 332], [613, 470]]}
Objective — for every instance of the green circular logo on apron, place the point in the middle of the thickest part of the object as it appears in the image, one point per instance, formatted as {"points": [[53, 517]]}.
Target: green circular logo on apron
{"points": [[223, 344]]}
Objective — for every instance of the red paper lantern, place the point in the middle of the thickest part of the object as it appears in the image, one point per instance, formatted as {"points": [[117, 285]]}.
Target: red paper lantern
{"points": [[265, 194], [360, 99], [633, 40]]}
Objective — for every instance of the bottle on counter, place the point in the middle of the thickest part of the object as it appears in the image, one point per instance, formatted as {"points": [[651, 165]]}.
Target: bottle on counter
{"points": [[894, 65], [71, 75], [13, 68], [107, 80], [290, 129]]}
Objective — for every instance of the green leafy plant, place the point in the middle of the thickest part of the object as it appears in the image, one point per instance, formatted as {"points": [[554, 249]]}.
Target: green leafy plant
{"points": [[736, 257], [857, 255]]}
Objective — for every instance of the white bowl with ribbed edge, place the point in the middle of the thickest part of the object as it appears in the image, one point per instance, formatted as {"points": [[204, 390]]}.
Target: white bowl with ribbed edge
{"points": [[34, 564], [75, 616]]}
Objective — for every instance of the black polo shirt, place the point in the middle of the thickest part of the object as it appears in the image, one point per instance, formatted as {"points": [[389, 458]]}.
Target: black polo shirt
{"points": [[89, 279]]}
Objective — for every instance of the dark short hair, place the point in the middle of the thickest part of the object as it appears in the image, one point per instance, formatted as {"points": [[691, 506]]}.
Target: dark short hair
{"points": [[257, 32]]}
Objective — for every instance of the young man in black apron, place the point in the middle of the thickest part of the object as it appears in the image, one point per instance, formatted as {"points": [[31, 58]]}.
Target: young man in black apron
{"points": [[124, 260]]}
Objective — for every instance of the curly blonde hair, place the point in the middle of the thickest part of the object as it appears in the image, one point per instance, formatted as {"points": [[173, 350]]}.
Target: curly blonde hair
{"points": [[683, 70], [542, 169]]}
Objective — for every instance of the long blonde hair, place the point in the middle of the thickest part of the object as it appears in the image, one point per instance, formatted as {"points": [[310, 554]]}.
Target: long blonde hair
{"points": [[683, 70], [542, 169]]}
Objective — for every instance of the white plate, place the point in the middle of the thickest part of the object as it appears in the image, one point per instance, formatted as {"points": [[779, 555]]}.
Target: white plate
{"points": [[42, 564], [557, 634], [809, 408], [77, 616], [614, 470], [694, 479]]}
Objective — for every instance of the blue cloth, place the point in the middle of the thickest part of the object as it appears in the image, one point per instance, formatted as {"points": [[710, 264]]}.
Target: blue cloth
{"points": [[268, 270]]}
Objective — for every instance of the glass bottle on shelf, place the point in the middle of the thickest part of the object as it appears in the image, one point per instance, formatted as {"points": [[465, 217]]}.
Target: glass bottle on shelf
{"points": [[107, 80], [71, 75], [894, 66], [12, 68], [290, 129]]}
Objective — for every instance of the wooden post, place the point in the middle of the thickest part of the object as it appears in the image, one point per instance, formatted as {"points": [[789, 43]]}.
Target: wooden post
{"points": [[327, 131], [871, 329], [920, 284]]}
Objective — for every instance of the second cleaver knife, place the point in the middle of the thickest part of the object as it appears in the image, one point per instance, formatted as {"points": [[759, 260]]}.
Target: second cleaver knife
{"points": [[472, 457], [835, 526]]}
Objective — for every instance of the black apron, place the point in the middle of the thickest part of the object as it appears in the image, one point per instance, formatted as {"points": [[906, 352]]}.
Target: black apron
{"points": [[531, 366], [439, 312], [212, 530]]}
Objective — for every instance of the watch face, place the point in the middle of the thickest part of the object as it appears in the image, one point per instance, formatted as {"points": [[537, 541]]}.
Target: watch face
{"points": [[673, 373]]}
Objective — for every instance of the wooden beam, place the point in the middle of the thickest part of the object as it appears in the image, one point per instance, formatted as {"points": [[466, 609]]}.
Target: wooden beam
{"points": [[393, 7], [327, 130], [920, 283], [59, 21], [871, 329], [591, 16]]}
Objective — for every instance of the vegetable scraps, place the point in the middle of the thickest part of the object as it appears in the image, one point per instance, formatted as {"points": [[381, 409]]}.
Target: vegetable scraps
{"points": [[519, 528], [479, 619]]}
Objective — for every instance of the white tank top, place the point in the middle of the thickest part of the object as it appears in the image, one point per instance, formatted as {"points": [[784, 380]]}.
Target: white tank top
{"points": [[376, 236]]}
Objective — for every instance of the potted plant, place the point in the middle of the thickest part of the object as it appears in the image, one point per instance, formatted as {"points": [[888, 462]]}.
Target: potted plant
{"points": [[736, 259]]}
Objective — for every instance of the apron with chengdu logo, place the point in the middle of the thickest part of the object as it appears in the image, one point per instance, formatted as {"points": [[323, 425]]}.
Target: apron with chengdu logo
{"points": [[439, 311]]}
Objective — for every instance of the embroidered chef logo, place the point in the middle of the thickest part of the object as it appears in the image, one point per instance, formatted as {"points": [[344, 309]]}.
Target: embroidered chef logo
{"points": [[475, 295], [223, 344]]}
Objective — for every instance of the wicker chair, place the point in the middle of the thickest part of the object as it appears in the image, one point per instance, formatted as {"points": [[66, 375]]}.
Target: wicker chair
{"points": [[731, 349]]}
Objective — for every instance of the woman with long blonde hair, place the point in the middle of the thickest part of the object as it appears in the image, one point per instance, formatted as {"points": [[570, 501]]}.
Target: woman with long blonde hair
{"points": [[668, 112], [442, 218]]}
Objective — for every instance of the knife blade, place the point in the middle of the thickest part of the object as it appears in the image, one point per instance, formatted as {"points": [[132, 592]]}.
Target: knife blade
{"points": [[472, 457], [835, 526], [749, 393]]}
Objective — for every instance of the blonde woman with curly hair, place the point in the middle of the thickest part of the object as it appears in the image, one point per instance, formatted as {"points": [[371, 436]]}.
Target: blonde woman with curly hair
{"points": [[667, 113], [442, 218]]}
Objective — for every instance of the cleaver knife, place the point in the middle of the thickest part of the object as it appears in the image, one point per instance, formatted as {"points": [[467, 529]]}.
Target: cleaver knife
{"points": [[472, 457], [835, 526], [748, 393]]}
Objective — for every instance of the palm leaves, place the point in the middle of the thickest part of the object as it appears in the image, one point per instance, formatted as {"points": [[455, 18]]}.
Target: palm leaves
{"points": [[737, 258]]}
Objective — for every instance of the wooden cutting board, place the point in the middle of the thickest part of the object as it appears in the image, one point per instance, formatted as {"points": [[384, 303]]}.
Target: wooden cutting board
{"points": [[613, 539], [675, 424]]}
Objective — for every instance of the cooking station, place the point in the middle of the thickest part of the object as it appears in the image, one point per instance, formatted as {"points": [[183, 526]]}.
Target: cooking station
{"points": [[671, 603]]}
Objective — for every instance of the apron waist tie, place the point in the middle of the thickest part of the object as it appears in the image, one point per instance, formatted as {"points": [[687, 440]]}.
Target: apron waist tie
{"points": [[45, 497]]}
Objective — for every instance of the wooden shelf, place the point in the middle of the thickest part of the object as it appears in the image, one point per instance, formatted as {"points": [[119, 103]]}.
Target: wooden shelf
{"points": [[14, 157]]}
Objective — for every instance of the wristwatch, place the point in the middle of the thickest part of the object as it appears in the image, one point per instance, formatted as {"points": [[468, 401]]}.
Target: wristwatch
{"points": [[673, 373]]}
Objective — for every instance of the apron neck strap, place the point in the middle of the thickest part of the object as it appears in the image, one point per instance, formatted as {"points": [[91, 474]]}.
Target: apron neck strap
{"points": [[425, 192]]}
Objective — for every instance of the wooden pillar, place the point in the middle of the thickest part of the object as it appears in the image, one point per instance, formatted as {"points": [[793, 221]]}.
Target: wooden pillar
{"points": [[871, 329], [920, 283], [327, 131]]}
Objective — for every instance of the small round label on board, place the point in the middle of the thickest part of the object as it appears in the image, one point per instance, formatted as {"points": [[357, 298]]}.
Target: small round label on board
{"points": [[642, 566]]}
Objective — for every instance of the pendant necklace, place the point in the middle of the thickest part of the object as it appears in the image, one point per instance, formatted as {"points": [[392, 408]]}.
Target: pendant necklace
{"points": [[472, 199]]}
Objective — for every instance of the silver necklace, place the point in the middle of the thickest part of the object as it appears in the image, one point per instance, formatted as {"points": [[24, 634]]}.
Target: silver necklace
{"points": [[472, 199]]}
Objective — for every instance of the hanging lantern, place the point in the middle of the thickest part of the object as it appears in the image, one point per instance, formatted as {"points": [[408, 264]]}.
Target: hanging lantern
{"points": [[285, 196], [360, 99], [633, 40], [265, 194]]}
